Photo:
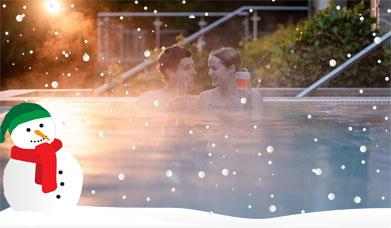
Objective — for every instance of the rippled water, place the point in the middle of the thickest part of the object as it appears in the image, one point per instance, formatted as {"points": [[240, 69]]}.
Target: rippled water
{"points": [[297, 158]]}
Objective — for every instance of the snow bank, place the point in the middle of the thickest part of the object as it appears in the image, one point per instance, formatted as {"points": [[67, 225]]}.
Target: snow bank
{"points": [[84, 216]]}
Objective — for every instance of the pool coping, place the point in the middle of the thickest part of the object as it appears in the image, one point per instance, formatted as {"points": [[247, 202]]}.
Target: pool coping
{"points": [[16, 95]]}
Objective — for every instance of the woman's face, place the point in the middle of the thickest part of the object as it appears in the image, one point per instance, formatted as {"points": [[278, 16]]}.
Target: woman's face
{"points": [[220, 74]]}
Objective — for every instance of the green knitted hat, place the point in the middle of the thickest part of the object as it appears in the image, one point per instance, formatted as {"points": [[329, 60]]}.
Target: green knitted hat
{"points": [[19, 114]]}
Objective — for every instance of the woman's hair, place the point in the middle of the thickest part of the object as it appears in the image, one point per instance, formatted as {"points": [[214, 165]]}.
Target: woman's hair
{"points": [[228, 56], [170, 58]]}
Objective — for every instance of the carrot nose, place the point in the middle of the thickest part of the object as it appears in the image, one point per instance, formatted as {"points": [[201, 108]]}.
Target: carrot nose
{"points": [[39, 133]]}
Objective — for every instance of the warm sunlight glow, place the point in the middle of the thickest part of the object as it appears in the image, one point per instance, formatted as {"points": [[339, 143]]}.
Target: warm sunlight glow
{"points": [[53, 6]]}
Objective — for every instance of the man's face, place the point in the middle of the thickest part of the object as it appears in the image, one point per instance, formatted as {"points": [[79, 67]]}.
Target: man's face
{"points": [[185, 72]]}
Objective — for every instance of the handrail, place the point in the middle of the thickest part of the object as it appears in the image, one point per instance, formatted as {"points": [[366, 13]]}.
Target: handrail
{"points": [[165, 14], [334, 73], [148, 63]]}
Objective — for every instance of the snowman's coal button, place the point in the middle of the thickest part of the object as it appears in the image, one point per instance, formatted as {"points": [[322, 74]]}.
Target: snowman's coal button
{"points": [[58, 196], [62, 183], [60, 172]]}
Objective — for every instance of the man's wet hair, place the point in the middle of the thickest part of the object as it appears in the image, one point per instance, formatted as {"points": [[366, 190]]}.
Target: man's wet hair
{"points": [[170, 57]]}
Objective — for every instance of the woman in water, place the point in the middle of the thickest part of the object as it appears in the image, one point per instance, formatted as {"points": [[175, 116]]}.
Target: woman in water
{"points": [[223, 65]]}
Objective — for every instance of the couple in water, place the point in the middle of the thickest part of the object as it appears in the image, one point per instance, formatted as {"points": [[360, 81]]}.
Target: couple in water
{"points": [[177, 68]]}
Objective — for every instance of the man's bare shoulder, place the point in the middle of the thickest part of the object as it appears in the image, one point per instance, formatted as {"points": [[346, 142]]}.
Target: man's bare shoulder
{"points": [[153, 94]]}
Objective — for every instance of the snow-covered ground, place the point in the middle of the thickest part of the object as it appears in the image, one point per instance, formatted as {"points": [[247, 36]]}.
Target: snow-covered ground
{"points": [[84, 216]]}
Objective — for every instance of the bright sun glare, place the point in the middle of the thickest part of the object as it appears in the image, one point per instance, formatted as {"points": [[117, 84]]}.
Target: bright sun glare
{"points": [[53, 6]]}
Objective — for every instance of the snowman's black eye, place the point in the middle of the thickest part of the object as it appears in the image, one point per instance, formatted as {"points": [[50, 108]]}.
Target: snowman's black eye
{"points": [[40, 125], [28, 129]]}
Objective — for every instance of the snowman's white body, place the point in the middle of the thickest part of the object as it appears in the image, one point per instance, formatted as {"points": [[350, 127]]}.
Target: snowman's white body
{"points": [[21, 191]]}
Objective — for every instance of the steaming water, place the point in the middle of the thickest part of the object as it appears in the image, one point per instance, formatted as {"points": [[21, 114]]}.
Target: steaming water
{"points": [[285, 163]]}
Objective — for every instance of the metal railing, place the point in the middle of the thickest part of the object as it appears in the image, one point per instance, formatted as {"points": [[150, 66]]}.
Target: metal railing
{"points": [[149, 63], [334, 73]]}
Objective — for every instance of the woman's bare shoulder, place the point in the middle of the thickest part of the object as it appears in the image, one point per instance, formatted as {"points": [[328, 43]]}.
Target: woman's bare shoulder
{"points": [[208, 93], [206, 97]]}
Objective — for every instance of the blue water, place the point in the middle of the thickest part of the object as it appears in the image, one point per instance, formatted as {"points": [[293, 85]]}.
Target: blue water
{"points": [[146, 147]]}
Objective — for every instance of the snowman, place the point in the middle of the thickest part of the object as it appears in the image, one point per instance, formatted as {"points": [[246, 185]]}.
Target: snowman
{"points": [[40, 175]]}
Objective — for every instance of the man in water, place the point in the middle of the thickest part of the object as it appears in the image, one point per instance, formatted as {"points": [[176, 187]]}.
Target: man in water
{"points": [[177, 69]]}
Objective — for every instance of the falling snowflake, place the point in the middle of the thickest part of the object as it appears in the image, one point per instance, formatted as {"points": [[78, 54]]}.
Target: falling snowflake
{"points": [[332, 62], [54, 84], [201, 174], [243, 100], [147, 53], [19, 17], [357, 199], [225, 172], [269, 149], [272, 208], [331, 196], [317, 171], [363, 149], [101, 133], [86, 57], [169, 173], [121, 176]]}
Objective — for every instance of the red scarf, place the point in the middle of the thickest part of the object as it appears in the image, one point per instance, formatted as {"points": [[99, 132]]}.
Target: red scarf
{"points": [[44, 156]]}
